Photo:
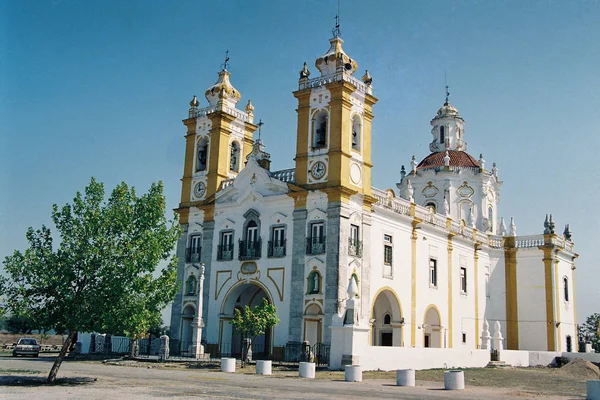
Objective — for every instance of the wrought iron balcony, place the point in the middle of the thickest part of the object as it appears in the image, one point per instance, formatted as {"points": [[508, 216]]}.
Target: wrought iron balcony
{"points": [[315, 245], [354, 247], [250, 250], [276, 248], [192, 254], [225, 252]]}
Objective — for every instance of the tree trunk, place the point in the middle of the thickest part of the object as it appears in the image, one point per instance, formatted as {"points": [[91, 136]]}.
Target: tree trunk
{"points": [[61, 356]]}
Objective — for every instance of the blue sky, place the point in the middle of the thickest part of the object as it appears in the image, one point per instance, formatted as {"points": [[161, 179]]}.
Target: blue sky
{"points": [[100, 89]]}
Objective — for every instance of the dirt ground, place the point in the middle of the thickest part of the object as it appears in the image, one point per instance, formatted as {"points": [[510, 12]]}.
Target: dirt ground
{"points": [[24, 377]]}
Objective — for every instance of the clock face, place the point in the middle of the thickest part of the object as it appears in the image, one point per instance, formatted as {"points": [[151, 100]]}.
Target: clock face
{"points": [[318, 170], [199, 189]]}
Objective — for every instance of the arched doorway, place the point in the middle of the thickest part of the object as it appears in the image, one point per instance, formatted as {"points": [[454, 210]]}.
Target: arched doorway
{"points": [[189, 312], [432, 328], [246, 294], [313, 324], [386, 319]]}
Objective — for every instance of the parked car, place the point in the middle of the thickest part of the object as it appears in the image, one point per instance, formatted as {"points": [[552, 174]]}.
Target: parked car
{"points": [[26, 347]]}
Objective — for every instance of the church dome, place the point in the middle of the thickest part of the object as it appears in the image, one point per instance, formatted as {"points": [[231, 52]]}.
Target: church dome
{"points": [[335, 58], [457, 159]]}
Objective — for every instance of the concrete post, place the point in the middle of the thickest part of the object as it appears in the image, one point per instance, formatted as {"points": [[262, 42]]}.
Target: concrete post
{"points": [[497, 338], [163, 353], [198, 322]]}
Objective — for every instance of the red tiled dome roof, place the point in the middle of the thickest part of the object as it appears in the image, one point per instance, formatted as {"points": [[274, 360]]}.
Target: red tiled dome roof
{"points": [[457, 159]]}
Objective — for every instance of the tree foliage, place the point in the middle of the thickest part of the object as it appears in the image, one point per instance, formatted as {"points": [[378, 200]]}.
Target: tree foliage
{"points": [[100, 277], [589, 331], [19, 324], [251, 323]]}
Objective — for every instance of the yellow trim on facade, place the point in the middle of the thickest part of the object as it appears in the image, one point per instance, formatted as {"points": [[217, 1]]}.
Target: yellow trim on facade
{"points": [[549, 259], [413, 272], [557, 302], [573, 295], [450, 305], [510, 277]]}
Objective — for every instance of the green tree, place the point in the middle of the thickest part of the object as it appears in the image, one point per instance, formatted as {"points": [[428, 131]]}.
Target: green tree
{"points": [[101, 275], [589, 331], [251, 323], [20, 324]]}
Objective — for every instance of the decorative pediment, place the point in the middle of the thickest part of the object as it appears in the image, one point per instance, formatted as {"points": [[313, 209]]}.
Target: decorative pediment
{"points": [[254, 182]]}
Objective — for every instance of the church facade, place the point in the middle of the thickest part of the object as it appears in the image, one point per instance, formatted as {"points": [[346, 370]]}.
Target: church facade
{"points": [[427, 264]]}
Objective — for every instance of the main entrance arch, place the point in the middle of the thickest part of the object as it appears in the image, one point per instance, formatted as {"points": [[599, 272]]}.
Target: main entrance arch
{"points": [[240, 296], [386, 319]]}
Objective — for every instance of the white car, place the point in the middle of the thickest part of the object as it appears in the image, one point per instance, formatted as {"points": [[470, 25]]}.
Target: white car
{"points": [[27, 347]]}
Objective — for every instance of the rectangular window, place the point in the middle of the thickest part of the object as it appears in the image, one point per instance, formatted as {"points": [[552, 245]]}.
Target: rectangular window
{"points": [[225, 249], [464, 338], [433, 272], [354, 243], [194, 249], [277, 244], [388, 250], [316, 241], [463, 279]]}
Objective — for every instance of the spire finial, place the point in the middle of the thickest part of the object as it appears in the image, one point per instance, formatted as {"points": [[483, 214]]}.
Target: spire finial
{"points": [[260, 124], [224, 66], [447, 87], [336, 30]]}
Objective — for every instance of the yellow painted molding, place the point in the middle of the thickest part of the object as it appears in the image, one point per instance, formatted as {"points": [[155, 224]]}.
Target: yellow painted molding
{"points": [[413, 279], [510, 276], [476, 249], [450, 305]]}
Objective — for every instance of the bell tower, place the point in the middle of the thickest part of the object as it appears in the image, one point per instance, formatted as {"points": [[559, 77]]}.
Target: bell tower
{"points": [[218, 139], [333, 148]]}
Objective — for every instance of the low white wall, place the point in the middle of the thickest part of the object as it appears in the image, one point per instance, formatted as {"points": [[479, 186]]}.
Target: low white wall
{"points": [[393, 358], [85, 339], [515, 358]]}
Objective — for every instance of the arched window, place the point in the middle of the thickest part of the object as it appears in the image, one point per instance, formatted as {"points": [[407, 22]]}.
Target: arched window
{"points": [[235, 157], [566, 288], [442, 134], [356, 133], [314, 283], [201, 155], [431, 205], [190, 286], [387, 319], [320, 130]]}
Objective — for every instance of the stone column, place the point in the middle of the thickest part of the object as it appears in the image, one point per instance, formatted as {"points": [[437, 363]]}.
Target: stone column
{"points": [[163, 354], [198, 323]]}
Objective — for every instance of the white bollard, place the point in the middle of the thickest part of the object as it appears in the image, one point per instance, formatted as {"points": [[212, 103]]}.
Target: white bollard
{"points": [[264, 367], [307, 370], [405, 377], [593, 390], [227, 364], [454, 380], [353, 373]]}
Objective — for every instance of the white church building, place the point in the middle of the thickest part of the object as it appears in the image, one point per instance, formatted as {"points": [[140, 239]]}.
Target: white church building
{"points": [[426, 264]]}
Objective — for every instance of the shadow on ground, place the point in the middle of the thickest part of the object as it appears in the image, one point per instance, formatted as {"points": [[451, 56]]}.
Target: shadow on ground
{"points": [[16, 380]]}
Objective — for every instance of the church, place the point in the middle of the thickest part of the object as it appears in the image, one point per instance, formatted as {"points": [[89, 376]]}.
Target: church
{"points": [[426, 264]]}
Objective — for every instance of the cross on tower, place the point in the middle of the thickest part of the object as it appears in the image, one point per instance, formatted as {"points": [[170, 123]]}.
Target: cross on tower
{"points": [[336, 30], [260, 124], [224, 66]]}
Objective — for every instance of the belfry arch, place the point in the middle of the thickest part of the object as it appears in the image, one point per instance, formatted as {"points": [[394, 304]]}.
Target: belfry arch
{"points": [[386, 319], [243, 294]]}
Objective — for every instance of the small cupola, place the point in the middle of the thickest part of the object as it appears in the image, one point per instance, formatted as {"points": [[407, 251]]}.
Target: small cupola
{"points": [[448, 129], [223, 92], [335, 59]]}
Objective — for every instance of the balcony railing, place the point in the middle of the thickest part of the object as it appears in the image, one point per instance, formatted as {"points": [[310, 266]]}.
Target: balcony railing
{"points": [[225, 252], [250, 250], [276, 248], [315, 245], [192, 254], [354, 247]]}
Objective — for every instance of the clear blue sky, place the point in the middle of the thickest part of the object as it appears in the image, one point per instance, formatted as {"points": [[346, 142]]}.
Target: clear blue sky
{"points": [[100, 89]]}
